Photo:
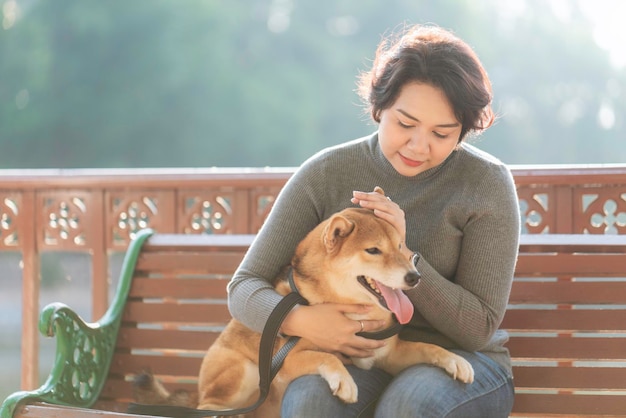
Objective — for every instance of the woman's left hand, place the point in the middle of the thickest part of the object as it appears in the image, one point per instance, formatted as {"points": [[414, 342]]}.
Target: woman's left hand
{"points": [[383, 207]]}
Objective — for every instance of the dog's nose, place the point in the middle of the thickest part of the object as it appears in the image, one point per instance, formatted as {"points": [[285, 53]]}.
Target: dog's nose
{"points": [[412, 278]]}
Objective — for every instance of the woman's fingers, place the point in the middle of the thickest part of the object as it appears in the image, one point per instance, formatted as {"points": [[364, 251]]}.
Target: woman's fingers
{"points": [[383, 207]]}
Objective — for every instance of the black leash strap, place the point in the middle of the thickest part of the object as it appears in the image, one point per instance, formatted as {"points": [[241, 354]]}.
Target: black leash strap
{"points": [[268, 367], [395, 328]]}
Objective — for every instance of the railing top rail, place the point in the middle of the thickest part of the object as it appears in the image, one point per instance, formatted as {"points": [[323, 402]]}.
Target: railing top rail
{"points": [[266, 176], [133, 177], [569, 174]]}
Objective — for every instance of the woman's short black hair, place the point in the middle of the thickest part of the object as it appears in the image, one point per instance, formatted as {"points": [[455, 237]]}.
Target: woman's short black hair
{"points": [[434, 56]]}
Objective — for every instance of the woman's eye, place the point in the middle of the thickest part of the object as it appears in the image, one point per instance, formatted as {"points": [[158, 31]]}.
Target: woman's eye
{"points": [[373, 251], [404, 125], [441, 136]]}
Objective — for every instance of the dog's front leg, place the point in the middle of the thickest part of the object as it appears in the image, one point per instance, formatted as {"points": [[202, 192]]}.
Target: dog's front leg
{"points": [[327, 365], [408, 353]]}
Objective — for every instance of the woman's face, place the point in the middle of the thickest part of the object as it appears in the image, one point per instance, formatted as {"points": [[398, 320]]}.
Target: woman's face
{"points": [[419, 131]]}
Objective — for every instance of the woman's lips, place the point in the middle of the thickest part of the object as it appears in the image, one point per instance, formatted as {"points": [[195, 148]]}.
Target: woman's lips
{"points": [[409, 162]]}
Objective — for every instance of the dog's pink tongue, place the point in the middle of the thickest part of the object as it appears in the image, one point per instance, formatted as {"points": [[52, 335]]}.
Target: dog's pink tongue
{"points": [[397, 302]]}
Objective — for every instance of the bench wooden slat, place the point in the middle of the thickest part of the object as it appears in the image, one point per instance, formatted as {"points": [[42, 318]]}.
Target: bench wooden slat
{"points": [[568, 348], [214, 262], [571, 243], [565, 292], [113, 406], [137, 338], [189, 313], [171, 365], [179, 288], [198, 242], [563, 377], [570, 405], [577, 265], [565, 319], [41, 410]]}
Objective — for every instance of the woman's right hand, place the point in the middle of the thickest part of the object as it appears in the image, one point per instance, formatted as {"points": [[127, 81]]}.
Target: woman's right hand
{"points": [[327, 326]]}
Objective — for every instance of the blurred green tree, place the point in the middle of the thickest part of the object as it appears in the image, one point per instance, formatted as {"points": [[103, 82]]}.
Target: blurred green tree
{"points": [[149, 83]]}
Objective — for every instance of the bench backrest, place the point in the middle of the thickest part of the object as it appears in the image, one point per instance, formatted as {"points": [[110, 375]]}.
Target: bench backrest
{"points": [[567, 319], [175, 309]]}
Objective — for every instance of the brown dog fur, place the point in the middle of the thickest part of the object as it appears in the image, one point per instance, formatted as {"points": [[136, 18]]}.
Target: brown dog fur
{"points": [[326, 265]]}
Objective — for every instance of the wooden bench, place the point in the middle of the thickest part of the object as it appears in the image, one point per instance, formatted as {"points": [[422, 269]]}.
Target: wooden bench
{"points": [[567, 320]]}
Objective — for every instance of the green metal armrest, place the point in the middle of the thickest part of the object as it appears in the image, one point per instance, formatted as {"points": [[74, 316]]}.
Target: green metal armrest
{"points": [[83, 350]]}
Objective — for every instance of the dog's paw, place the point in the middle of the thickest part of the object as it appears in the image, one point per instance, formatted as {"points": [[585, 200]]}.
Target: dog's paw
{"points": [[459, 368], [341, 383]]}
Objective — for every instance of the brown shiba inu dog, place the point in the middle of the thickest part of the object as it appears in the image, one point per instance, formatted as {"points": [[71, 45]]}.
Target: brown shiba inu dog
{"points": [[353, 257]]}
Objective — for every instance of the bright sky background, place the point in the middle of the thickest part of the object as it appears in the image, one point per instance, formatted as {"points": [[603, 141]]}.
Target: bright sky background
{"points": [[609, 18]]}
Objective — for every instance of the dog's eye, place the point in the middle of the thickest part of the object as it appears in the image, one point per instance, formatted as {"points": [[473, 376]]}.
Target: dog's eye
{"points": [[373, 251]]}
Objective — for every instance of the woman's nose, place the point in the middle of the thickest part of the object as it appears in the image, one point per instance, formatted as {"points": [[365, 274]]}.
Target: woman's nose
{"points": [[419, 142]]}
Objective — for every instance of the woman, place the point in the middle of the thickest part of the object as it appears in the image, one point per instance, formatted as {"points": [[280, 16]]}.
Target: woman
{"points": [[455, 205]]}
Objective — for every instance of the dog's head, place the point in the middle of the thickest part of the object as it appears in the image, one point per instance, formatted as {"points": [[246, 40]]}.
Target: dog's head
{"points": [[356, 257]]}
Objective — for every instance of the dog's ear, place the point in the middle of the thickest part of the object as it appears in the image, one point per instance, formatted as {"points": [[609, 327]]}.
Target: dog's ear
{"points": [[336, 230]]}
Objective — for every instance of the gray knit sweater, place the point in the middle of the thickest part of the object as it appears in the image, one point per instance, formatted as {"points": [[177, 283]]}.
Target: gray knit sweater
{"points": [[462, 216]]}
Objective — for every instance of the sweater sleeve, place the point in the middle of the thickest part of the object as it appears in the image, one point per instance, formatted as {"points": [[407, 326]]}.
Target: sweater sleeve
{"points": [[297, 210], [469, 308]]}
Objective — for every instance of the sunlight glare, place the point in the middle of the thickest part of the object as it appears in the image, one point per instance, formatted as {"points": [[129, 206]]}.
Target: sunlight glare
{"points": [[606, 116], [512, 9], [10, 10], [279, 18], [561, 9], [607, 17], [509, 12]]}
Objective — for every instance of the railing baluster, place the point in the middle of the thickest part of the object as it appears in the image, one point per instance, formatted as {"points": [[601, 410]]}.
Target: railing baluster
{"points": [[27, 221], [99, 256]]}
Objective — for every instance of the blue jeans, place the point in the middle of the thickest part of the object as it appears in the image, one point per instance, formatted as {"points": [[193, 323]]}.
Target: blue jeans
{"points": [[419, 391]]}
